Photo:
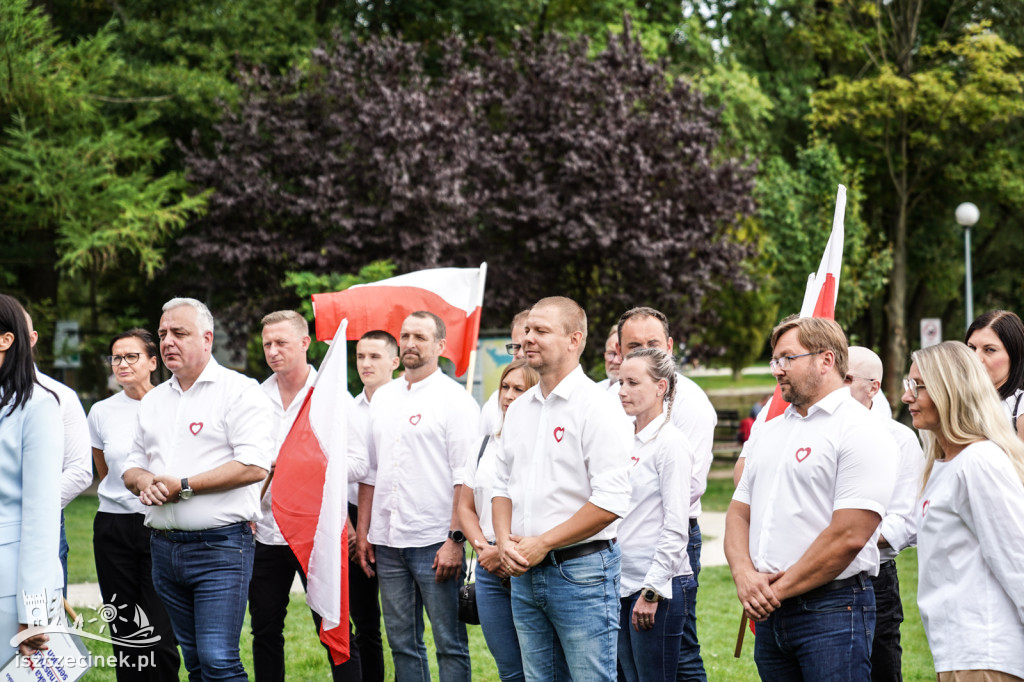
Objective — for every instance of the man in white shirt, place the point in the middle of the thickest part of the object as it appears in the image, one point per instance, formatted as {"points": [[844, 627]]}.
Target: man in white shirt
{"points": [[612, 361], [76, 474], [376, 362], [202, 445], [695, 416], [561, 486], [422, 429], [801, 531], [899, 525], [490, 413]]}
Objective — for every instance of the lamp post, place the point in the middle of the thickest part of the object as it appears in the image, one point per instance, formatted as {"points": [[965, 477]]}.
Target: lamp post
{"points": [[967, 215]]}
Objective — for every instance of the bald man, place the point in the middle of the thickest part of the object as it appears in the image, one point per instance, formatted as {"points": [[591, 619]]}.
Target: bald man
{"points": [[898, 527]]}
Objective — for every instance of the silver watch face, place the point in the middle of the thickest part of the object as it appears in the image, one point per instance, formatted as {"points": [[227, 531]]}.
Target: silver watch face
{"points": [[186, 494]]}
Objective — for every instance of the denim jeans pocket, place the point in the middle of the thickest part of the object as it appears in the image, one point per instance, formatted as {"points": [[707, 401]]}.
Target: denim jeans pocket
{"points": [[585, 571], [227, 544], [832, 603]]}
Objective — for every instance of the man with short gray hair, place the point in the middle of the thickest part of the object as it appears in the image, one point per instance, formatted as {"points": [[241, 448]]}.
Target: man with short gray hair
{"points": [[202, 444]]}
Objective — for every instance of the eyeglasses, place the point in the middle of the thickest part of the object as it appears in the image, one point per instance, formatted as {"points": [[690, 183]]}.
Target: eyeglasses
{"points": [[130, 358], [512, 348], [785, 362], [610, 355], [912, 386]]}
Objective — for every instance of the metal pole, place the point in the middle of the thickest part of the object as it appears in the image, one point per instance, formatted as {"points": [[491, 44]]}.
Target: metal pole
{"points": [[967, 259]]}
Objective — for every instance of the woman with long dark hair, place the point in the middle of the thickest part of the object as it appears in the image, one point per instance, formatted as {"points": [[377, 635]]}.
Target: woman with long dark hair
{"points": [[997, 339], [31, 454]]}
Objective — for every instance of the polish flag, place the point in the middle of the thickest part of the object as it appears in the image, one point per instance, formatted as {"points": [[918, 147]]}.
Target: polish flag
{"points": [[310, 499], [453, 294], [822, 290]]}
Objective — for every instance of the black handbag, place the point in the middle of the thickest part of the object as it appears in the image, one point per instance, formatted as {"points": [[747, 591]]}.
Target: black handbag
{"points": [[467, 592]]}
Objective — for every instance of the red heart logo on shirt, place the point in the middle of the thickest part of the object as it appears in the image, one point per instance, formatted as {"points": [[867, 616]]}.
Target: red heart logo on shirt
{"points": [[195, 428], [415, 419], [806, 453], [559, 433], [924, 507], [635, 460]]}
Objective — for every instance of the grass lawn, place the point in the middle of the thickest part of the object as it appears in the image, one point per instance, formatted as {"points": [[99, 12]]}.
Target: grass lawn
{"points": [[711, 383]]}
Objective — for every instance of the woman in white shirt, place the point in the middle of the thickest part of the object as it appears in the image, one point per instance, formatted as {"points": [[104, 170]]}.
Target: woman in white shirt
{"points": [[493, 595], [656, 578], [120, 538], [971, 517], [997, 338]]}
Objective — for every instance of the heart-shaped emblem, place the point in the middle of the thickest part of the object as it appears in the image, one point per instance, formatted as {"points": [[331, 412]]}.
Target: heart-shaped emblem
{"points": [[802, 454], [924, 507], [636, 460], [559, 433], [195, 428], [415, 419]]}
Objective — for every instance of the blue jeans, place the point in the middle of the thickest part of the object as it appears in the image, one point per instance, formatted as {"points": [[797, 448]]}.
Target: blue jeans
{"points": [[653, 655], [824, 639], [63, 551], [567, 618], [202, 577], [407, 586], [494, 603], [691, 665]]}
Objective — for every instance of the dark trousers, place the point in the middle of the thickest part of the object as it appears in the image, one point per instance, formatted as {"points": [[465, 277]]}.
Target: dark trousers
{"points": [[364, 608], [273, 571], [124, 570], [886, 653]]}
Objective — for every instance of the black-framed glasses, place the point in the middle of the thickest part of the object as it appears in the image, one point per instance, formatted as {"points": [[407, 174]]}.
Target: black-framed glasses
{"points": [[130, 358], [512, 348], [786, 361], [913, 386], [610, 355]]}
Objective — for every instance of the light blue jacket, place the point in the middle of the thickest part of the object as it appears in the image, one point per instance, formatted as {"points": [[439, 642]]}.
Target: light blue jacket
{"points": [[31, 452]]}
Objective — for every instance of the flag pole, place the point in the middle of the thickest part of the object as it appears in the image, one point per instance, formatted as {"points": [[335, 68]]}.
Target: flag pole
{"points": [[472, 354]]}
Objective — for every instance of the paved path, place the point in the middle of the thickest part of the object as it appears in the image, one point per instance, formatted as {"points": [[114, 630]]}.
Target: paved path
{"points": [[712, 527]]}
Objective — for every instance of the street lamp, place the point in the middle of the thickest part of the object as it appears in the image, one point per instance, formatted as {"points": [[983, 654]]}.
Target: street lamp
{"points": [[967, 215]]}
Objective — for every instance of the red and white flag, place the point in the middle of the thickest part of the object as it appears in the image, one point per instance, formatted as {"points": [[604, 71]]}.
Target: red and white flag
{"points": [[822, 290], [310, 499], [453, 294]]}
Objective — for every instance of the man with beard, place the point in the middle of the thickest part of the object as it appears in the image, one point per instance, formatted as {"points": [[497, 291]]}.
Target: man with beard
{"points": [[422, 430], [801, 531]]}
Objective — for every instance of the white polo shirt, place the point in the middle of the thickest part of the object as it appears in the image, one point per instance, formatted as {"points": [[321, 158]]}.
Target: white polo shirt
{"points": [[970, 559], [223, 417], [899, 525], [76, 472], [112, 430], [562, 451], [695, 416], [653, 535], [420, 436], [804, 468], [267, 531]]}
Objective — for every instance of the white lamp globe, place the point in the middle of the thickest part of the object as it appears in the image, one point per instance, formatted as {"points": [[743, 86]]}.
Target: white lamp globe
{"points": [[967, 214]]}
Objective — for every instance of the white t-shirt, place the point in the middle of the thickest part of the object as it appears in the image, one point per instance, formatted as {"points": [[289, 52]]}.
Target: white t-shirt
{"points": [[223, 417], [1011, 402], [490, 415], [267, 531], [480, 477], [802, 469], [420, 437], [654, 533], [561, 452], [112, 428], [899, 525], [971, 562], [76, 474]]}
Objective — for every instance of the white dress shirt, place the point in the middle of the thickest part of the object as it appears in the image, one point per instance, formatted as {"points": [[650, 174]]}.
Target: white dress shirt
{"points": [[971, 562], [360, 422], [653, 535], [267, 531], [899, 525], [480, 477], [695, 416], [612, 387], [490, 416], [223, 417], [561, 452], [76, 474], [802, 469], [420, 437], [112, 430]]}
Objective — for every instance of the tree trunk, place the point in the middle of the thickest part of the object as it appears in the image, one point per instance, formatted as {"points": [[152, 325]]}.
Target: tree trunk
{"points": [[896, 309]]}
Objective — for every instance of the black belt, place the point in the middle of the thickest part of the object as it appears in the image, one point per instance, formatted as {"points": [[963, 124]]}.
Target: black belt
{"points": [[861, 580], [210, 535], [560, 556], [693, 523]]}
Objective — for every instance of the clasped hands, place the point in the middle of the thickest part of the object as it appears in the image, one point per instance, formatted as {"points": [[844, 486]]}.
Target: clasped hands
{"points": [[519, 553], [160, 489], [756, 594]]}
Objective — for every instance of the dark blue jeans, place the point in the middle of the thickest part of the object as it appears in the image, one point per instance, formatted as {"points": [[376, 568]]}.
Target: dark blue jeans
{"points": [[653, 655], [202, 578], [824, 639], [691, 665], [63, 552]]}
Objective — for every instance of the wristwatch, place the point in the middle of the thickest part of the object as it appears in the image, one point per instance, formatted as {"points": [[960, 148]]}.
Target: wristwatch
{"points": [[651, 595], [186, 492], [456, 536]]}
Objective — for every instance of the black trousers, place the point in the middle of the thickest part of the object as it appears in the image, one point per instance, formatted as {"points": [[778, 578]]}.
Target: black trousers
{"points": [[364, 606], [886, 653], [124, 568]]}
